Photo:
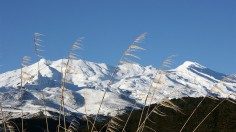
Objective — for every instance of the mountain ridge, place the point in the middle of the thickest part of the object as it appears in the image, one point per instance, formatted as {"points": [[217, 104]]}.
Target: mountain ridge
{"points": [[86, 82]]}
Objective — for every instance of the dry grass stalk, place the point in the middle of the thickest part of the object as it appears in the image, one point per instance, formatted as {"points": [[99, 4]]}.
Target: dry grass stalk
{"points": [[126, 122], [88, 121], [168, 104], [150, 128], [158, 112], [207, 95], [22, 121], [59, 117], [114, 124], [155, 110], [85, 110], [232, 101], [123, 60], [3, 118], [166, 63], [208, 114], [164, 103], [72, 55], [225, 99], [25, 76], [12, 127], [37, 50], [74, 126]]}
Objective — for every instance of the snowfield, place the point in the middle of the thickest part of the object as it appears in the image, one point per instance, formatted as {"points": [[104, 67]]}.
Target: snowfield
{"points": [[87, 81]]}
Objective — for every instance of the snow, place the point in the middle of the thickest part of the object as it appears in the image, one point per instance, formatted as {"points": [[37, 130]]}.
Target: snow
{"points": [[87, 81]]}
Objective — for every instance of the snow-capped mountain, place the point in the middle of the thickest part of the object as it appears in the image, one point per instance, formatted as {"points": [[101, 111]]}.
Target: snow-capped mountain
{"points": [[86, 82]]}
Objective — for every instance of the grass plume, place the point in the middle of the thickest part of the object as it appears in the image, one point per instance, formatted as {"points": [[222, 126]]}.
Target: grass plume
{"points": [[123, 60], [25, 76], [37, 50], [166, 63], [72, 55]]}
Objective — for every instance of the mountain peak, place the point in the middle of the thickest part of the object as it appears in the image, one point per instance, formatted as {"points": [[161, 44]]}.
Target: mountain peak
{"points": [[190, 64], [42, 60], [202, 71]]}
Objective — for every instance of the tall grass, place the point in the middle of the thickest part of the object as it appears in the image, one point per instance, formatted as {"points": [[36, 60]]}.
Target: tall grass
{"points": [[165, 63], [227, 78], [37, 46], [123, 60], [85, 109], [215, 86], [156, 80], [72, 55], [12, 126], [3, 118], [223, 100], [25, 76], [166, 103], [74, 126]]}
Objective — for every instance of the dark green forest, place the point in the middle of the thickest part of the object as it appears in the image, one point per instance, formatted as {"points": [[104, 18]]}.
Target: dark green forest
{"points": [[222, 119]]}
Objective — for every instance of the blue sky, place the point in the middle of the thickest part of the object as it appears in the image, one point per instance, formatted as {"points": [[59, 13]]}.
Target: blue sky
{"points": [[197, 30]]}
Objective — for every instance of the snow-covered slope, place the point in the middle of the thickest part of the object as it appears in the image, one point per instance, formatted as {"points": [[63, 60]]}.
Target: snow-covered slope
{"points": [[86, 82]]}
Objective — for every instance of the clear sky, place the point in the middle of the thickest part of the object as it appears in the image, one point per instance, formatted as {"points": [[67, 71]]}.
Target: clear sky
{"points": [[197, 30]]}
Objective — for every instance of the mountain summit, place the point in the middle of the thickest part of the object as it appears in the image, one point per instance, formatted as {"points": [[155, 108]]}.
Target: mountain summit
{"points": [[86, 82], [200, 70]]}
